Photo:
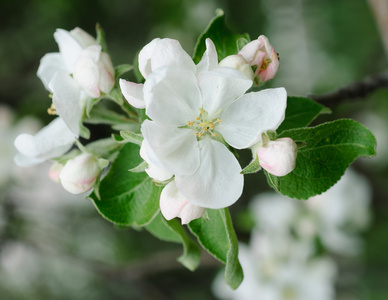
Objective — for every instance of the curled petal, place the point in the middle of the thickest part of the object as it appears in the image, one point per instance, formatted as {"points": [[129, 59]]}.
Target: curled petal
{"points": [[133, 92], [86, 71], [66, 99], [245, 120], [209, 59], [51, 141], [50, 64], [145, 58], [220, 87], [172, 96], [82, 37], [155, 172], [217, 183], [106, 72], [69, 48], [175, 149], [239, 63]]}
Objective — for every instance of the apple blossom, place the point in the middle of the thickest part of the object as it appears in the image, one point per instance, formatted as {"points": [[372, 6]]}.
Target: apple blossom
{"points": [[161, 53], [173, 204], [239, 63], [80, 70], [262, 55], [80, 173], [155, 172], [55, 171], [278, 157], [190, 114], [51, 141]]}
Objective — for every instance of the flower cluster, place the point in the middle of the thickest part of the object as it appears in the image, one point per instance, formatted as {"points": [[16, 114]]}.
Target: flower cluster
{"points": [[197, 114]]}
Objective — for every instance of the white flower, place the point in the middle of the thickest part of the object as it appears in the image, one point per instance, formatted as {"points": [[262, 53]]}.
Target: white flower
{"points": [[278, 157], [91, 69], [239, 63], [80, 173], [51, 141], [173, 204], [161, 53], [153, 171], [190, 112]]}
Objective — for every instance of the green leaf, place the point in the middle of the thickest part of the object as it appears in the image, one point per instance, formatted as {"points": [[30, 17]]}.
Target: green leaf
{"points": [[329, 149], [216, 235], [140, 168], [129, 199], [101, 38], [121, 69], [173, 231], [253, 167], [132, 137], [224, 39], [103, 115], [301, 112]]}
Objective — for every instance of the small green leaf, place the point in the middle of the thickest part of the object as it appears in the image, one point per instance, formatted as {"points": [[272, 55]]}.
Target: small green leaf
{"points": [[132, 137], [129, 199], [224, 39], [301, 112], [122, 69], [217, 236], [101, 38], [140, 168], [253, 167], [329, 149], [173, 231], [102, 115]]}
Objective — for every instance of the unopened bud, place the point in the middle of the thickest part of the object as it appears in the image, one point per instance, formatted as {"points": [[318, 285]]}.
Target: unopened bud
{"points": [[80, 173], [278, 157], [239, 63], [174, 204], [55, 171]]}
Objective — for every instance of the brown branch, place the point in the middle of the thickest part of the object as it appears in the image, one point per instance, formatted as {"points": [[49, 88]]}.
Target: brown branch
{"points": [[354, 90]]}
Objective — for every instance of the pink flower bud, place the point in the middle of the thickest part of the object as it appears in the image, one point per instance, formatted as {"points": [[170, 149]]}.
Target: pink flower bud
{"points": [[173, 204], [80, 173], [55, 171], [261, 54], [239, 63], [278, 157]]}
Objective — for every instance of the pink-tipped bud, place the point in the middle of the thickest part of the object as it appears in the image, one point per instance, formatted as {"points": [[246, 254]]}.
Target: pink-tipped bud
{"points": [[239, 63], [55, 171], [173, 204], [262, 55], [80, 173], [278, 157]]}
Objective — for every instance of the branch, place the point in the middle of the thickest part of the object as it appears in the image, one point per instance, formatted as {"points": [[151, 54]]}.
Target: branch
{"points": [[353, 91]]}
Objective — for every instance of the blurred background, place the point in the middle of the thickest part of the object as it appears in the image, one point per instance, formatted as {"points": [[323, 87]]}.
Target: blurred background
{"points": [[54, 245]]}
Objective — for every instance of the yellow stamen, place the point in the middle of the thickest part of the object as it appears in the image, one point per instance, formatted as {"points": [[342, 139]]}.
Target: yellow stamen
{"points": [[197, 133], [190, 123], [51, 110], [198, 118], [214, 134], [218, 120], [200, 135], [202, 124], [205, 129]]}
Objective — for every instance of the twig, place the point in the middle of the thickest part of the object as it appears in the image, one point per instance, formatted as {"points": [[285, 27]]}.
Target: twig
{"points": [[353, 91]]}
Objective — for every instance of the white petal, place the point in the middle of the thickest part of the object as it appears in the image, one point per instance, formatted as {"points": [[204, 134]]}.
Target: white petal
{"points": [[217, 182], [145, 58], [107, 73], [82, 37], [175, 148], [155, 172], [66, 99], [169, 52], [69, 48], [49, 65], [209, 59], [86, 71], [133, 92], [220, 87], [191, 212], [172, 96], [51, 141], [25, 161], [245, 120], [171, 201]]}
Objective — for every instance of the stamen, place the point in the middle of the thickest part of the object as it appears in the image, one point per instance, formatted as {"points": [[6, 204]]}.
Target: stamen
{"points": [[197, 133], [202, 124], [190, 123], [219, 120], [214, 134], [200, 135], [198, 118], [51, 110]]}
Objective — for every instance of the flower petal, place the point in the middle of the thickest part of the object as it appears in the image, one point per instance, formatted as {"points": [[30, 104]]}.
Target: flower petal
{"points": [[66, 100], [49, 65], [171, 201], [69, 48], [172, 96], [51, 141], [245, 120], [153, 171], [145, 57], [209, 59], [133, 92], [107, 73], [86, 71], [220, 87], [82, 37], [175, 148], [217, 183], [190, 212]]}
